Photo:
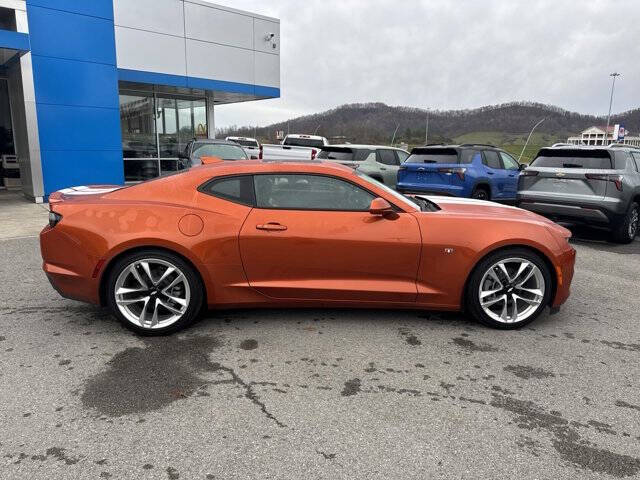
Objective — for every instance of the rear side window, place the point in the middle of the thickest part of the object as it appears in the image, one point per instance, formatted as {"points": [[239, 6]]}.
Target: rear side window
{"points": [[492, 159], [589, 159], [387, 157], [433, 155], [636, 159], [237, 189], [468, 156]]}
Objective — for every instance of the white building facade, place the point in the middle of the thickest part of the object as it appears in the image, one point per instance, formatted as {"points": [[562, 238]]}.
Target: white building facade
{"points": [[596, 136]]}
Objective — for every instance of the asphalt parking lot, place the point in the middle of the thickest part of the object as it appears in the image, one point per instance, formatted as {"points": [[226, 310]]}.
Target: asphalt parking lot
{"points": [[322, 393]]}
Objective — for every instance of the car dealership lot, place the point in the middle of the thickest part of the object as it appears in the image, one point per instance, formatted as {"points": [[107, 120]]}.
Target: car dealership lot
{"points": [[323, 393]]}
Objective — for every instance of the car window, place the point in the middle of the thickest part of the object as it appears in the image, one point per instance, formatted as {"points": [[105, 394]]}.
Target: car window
{"points": [[509, 162], [309, 192], [303, 142], [220, 150], [567, 158], [336, 153], [433, 155], [636, 159], [388, 157], [238, 189], [402, 156], [245, 142], [492, 160], [468, 156]]}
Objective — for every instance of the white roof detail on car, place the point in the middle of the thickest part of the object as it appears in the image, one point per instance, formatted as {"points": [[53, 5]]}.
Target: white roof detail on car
{"points": [[463, 201]]}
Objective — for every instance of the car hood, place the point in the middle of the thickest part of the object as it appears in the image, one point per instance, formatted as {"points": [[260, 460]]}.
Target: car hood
{"points": [[484, 209]]}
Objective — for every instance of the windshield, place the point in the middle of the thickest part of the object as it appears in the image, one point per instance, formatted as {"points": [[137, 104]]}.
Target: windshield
{"points": [[245, 143], [407, 202], [303, 142], [220, 150]]}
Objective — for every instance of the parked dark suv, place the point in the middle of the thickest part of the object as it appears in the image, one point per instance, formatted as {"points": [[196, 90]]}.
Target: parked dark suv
{"points": [[595, 185]]}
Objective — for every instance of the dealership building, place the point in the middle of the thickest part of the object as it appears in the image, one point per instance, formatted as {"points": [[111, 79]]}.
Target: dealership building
{"points": [[108, 91]]}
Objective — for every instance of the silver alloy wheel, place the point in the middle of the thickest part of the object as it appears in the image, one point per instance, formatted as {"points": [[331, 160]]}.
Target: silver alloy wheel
{"points": [[633, 223], [511, 290], [152, 293]]}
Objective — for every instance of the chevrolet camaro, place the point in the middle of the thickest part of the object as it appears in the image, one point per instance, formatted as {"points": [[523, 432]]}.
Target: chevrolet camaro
{"points": [[303, 234]]}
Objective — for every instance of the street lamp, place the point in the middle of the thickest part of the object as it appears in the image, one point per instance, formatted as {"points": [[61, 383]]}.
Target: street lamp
{"points": [[529, 137], [613, 86]]}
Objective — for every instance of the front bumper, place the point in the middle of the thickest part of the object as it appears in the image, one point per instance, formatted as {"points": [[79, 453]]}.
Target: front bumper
{"points": [[564, 276]]}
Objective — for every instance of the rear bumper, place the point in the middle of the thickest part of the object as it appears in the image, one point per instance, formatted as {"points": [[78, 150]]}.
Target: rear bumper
{"points": [[433, 188], [68, 268], [604, 211]]}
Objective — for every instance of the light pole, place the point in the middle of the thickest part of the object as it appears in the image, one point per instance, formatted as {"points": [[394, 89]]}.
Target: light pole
{"points": [[394, 134], [613, 86], [530, 133], [426, 130]]}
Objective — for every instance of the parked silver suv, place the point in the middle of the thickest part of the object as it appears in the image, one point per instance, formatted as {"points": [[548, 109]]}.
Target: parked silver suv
{"points": [[377, 161], [596, 185]]}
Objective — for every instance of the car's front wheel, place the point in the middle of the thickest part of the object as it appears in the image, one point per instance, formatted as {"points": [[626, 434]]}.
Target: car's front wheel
{"points": [[509, 288], [154, 292]]}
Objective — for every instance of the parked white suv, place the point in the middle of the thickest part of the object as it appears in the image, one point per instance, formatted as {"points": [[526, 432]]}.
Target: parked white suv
{"points": [[250, 145]]}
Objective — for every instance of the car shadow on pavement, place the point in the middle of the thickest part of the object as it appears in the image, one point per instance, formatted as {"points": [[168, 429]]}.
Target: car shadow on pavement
{"points": [[600, 239]]}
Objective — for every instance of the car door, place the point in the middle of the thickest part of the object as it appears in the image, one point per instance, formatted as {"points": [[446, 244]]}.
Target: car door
{"points": [[496, 174], [388, 164], [512, 171], [312, 237]]}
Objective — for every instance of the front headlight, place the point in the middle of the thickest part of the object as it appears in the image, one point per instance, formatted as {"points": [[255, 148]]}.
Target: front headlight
{"points": [[54, 218]]}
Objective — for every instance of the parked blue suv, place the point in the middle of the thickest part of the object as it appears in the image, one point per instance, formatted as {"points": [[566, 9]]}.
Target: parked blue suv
{"points": [[471, 170]]}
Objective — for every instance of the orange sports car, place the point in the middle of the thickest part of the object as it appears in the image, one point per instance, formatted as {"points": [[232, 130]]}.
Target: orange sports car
{"points": [[284, 234]]}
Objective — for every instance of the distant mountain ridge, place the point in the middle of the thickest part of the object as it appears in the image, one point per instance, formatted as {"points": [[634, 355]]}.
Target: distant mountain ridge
{"points": [[376, 122]]}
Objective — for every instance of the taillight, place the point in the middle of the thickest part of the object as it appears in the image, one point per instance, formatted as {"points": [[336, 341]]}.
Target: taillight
{"points": [[458, 171], [54, 218], [615, 179], [314, 152], [529, 173], [260, 154]]}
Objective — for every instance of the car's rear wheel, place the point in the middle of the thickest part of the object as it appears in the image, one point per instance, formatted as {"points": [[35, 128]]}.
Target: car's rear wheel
{"points": [[628, 229], [481, 193], [154, 292], [509, 288]]}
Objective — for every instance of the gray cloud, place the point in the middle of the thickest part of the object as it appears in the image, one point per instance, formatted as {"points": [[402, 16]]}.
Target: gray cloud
{"points": [[448, 54]]}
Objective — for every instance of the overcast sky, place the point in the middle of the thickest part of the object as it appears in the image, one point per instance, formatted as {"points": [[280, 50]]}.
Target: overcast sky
{"points": [[448, 54]]}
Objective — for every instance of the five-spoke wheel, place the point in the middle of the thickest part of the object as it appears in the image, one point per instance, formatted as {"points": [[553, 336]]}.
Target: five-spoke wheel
{"points": [[509, 288], [154, 292]]}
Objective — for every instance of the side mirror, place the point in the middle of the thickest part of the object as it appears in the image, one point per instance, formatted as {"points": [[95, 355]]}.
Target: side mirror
{"points": [[379, 206], [522, 166]]}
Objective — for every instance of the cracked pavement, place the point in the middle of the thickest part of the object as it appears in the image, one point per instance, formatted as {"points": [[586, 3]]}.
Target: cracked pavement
{"points": [[322, 393]]}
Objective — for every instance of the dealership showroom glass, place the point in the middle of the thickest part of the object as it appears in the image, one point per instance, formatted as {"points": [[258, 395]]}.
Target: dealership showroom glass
{"points": [[108, 91]]}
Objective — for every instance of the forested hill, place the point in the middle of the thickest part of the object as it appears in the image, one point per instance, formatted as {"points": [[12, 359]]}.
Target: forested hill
{"points": [[376, 122]]}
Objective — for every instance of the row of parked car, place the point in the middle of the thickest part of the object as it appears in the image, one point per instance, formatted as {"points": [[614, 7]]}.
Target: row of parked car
{"points": [[596, 185]]}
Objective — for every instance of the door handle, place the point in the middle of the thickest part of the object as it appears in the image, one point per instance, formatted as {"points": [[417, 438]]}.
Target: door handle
{"points": [[271, 226], [491, 173], [382, 168]]}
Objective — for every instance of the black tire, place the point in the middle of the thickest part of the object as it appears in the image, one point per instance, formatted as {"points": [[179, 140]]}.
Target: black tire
{"points": [[627, 230], [196, 288], [472, 295], [481, 193]]}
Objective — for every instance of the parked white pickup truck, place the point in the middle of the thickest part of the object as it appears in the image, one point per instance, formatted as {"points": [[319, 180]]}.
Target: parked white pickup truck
{"points": [[295, 146], [250, 145]]}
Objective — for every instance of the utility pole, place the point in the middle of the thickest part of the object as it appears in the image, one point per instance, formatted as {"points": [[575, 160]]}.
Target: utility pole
{"points": [[426, 130], [613, 86]]}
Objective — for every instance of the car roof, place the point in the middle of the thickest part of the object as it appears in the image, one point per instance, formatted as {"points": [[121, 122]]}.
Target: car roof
{"points": [[362, 145], [215, 141], [242, 138], [613, 146], [230, 167], [460, 145]]}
